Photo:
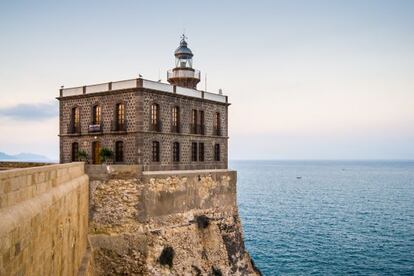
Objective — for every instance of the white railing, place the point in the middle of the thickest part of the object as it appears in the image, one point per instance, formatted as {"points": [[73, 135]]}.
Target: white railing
{"points": [[188, 92], [97, 88], [157, 86], [215, 97], [137, 83], [72, 91], [171, 74], [125, 84]]}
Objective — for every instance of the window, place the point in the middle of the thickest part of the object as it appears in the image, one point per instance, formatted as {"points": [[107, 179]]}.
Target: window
{"points": [[155, 117], [201, 117], [194, 151], [75, 120], [75, 152], [201, 125], [120, 117], [194, 122], [96, 120], [96, 150], [175, 119], [194, 117], [216, 126], [217, 152], [119, 151], [176, 152], [201, 152], [155, 151]]}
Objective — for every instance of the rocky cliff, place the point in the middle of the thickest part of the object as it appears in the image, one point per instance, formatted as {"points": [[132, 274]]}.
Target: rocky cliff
{"points": [[169, 223]]}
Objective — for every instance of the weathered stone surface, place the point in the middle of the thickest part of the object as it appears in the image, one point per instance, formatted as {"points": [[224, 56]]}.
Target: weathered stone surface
{"points": [[44, 220], [194, 213], [165, 223]]}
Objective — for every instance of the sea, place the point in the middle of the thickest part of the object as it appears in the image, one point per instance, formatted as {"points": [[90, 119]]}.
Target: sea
{"points": [[328, 217]]}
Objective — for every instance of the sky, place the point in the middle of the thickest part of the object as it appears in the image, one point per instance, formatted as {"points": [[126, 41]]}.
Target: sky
{"points": [[306, 79]]}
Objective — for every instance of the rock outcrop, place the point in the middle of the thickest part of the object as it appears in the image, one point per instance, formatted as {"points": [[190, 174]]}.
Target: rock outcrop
{"points": [[169, 223]]}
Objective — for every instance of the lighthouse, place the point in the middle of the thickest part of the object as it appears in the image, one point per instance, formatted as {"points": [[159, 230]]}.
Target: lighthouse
{"points": [[183, 74]]}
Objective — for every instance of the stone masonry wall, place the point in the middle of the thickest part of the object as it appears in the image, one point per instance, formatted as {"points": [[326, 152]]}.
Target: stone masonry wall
{"points": [[185, 138], [168, 223], [107, 101], [138, 138], [44, 220]]}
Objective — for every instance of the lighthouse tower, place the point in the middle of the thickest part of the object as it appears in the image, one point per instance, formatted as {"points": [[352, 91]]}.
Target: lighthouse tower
{"points": [[183, 74]]}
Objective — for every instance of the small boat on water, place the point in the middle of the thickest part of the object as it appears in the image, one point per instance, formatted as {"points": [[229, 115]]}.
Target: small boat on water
{"points": [[298, 177]]}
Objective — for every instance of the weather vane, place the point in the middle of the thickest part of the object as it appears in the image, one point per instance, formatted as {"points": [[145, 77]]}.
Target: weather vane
{"points": [[183, 37]]}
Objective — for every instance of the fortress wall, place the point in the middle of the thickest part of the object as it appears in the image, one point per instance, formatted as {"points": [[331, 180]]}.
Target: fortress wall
{"points": [[44, 220], [134, 219], [172, 192]]}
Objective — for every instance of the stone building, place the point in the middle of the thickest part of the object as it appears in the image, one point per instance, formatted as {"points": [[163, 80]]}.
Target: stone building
{"points": [[155, 125]]}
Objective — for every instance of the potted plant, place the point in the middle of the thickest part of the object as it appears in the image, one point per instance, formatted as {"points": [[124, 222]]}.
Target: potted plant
{"points": [[83, 156], [106, 155]]}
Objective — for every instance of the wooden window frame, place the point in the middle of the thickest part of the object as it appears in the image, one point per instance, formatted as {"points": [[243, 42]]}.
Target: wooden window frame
{"points": [[194, 149], [75, 155], [119, 151], [176, 152], [201, 152], [156, 151], [217, 152], [96, 114], [155, 120]]}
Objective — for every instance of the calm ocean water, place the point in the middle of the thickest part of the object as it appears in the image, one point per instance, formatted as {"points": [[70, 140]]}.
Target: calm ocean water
{"points": [[340, 217]]}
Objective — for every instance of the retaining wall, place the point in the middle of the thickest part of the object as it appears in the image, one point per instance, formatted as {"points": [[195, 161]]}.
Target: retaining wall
{"points": [[44, 220]]}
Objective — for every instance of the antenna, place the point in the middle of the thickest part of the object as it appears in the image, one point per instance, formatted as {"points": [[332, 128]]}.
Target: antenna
{"points": [[205, 82]]}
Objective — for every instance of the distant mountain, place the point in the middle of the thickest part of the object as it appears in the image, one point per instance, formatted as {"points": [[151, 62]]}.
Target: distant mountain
{"points": [[24, 157]]}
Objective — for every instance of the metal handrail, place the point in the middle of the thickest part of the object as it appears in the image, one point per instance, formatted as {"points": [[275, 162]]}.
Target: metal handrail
{"points": [[172, 74], [176, 129], [119, 126], [156, 127], [197, 129], [74, 128], [216, 131]]}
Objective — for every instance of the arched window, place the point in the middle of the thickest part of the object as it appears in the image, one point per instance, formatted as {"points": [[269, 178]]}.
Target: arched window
{"points": [[175, 122], [155, 117], [75, 152], [176, 152], [75, 121], [96, 116], [217, 152], [120, 117], [155, 151], [119, 151]]}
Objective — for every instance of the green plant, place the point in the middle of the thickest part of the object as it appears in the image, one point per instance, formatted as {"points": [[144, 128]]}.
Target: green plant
{"points": [[105, 154], [83, 155]]}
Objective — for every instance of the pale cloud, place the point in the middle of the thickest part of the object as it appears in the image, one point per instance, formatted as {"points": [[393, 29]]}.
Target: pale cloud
{"points": [[30, 111]]}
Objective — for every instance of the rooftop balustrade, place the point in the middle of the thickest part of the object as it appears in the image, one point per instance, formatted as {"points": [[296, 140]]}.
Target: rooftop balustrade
{"points": [[172, 74], [142, 83]]}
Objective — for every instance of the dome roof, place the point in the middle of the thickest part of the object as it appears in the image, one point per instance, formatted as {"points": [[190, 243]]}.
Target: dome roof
{"points": [[183, 51]]}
